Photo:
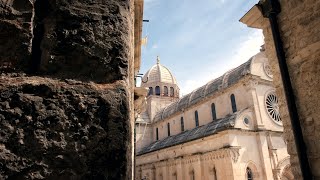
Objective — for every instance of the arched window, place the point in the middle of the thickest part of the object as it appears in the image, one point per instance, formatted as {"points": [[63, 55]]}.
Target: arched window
{"points": [[165, 91], [233, 103], [192, 175], [182, 124], [174, 176], [213, 111], [150, 91], [215, 173], [154, 172], [168, 126], [157, 134], [196, 118], [160, 176], [157, 90], [249, 174], [171, 91]]}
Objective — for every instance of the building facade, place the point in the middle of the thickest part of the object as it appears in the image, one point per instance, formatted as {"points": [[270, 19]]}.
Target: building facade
{"points": [[298, 22], [230, 128]]}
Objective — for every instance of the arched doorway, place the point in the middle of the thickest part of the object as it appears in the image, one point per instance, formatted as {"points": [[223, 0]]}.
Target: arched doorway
{"points": [[287, 173]]}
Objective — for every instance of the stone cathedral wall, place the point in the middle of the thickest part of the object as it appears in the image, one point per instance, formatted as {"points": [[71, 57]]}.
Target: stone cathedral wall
{"points": [[66, 88], [299, 25]]}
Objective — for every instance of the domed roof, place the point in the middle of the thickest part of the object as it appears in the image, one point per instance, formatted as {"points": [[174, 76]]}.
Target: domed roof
{"points": [[226, 80], [158, 73]]}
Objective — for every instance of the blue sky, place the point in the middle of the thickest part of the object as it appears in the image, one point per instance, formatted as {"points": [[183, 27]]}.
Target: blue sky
{"points": [[198, 40]]}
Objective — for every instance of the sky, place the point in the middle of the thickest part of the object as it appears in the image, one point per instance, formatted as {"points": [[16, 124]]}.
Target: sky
{"points": [[198, 40]]}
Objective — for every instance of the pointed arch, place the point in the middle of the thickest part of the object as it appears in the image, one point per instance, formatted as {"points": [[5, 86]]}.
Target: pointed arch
{"points": [[182, 124], [287, 173], [215, 173], [285, 169], [251, 171], [196, 118], [213, 111], [233, 103]]}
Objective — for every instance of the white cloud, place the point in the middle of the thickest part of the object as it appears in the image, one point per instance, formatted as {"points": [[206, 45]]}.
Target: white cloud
{"points": [[249, 47], [155, 46]]}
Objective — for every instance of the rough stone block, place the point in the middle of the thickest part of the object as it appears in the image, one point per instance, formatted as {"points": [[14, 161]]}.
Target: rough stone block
{"points": [[87, 41], [67, 39], [15, 34], [52, 129]]}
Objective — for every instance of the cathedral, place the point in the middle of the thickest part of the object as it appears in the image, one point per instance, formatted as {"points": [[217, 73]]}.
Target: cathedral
{"points": [[230, 128]]}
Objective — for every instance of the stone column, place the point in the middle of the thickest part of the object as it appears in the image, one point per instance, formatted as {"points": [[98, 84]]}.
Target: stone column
{"points": [[66, 89], [251, 87], [264, 156]]}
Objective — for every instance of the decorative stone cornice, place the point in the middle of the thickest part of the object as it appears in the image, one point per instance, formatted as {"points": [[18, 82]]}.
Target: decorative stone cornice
{"points": [[230, 152], [227, 152], [234, 153], [191, 159], [146, 166]]}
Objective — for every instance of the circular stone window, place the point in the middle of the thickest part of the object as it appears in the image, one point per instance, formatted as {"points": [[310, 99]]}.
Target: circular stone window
{"points": [[246, 121], [267, 70], [273, 107]]}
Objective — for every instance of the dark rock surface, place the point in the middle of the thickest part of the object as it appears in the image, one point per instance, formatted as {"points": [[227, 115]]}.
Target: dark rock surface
{"points": [[82, 40], [79, 39], [15, 34], [52, 129]]}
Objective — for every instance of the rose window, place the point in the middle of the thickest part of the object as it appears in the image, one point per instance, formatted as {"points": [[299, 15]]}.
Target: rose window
{"points": [[273, 107], [267, 70]]}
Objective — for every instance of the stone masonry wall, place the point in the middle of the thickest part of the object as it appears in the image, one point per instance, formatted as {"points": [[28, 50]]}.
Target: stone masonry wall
{"points": [[66, 89], [300, 30]]}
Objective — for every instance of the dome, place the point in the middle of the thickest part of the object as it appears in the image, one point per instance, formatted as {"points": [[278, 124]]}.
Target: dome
{"points": [[158, 74]]}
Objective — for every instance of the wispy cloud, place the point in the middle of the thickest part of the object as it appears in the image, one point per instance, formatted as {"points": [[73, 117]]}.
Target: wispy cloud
{"points": [[198, 41], [249, 47], [155, 46]]}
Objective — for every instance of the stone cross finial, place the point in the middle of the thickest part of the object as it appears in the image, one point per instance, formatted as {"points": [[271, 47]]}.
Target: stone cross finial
{"points": [[158, 60]]}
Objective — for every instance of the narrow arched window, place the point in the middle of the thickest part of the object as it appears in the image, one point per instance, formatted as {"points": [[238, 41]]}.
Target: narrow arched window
{"points": [[165, 91], [154, 173], [182, 124], [213, 111], [157, 134], [171, 91], [215, 173], [192, 175], [150, 91], [157, 90], [174, 176], [168, 126], [249, 174], [196, 118], [233, 103]]}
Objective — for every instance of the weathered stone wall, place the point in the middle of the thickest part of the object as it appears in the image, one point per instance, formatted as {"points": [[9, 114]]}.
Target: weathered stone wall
{"points": [[300, 30], [66, 89]]}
